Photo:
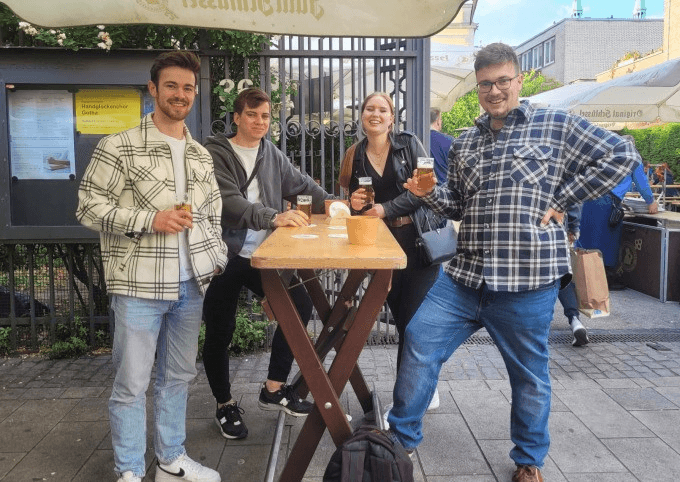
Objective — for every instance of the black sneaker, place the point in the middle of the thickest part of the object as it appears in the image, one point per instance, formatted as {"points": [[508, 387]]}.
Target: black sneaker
{"points": [[229, 420], [287, 399]]}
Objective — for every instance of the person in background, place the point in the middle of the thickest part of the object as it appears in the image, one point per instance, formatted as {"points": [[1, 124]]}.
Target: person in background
{"points": [[256, 181], [596, 230], [151, 193], [509, 180], [439, 145], [389, 158], [663, 173], [567, 295]]}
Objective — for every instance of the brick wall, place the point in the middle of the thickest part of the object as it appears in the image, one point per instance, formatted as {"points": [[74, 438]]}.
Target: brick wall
{"points": [[586, 47]]}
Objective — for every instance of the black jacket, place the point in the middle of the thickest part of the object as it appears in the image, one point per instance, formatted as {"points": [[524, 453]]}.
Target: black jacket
{"points": [[406, 149]]}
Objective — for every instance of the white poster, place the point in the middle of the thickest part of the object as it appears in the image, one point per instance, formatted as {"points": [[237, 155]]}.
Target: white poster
{"points": [[41, 142]]}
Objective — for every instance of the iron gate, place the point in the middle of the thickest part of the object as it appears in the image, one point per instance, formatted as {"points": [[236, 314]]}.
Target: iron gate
{"points": [[317, 87]]}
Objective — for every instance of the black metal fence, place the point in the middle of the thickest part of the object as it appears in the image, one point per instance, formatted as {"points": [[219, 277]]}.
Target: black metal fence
{"points": [[317, 87]]}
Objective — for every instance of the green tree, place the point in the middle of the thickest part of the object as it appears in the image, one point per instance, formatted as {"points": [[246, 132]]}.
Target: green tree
{"points": [[466, 109]]}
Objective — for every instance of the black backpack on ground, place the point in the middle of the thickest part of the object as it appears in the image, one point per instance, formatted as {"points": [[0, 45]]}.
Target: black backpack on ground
{"points": [[369, 455]]}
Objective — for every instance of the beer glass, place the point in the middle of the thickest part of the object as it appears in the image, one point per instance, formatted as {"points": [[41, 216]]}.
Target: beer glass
{"points": [[367, 184], [182, 204], [304, 204], [425, 174]]}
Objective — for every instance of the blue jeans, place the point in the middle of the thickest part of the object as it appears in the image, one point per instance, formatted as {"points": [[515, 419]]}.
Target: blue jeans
{"points": [[519, 324], [143, 329], [568, 300]]}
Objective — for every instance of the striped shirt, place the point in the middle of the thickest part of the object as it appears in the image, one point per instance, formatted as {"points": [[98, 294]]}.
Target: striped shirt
{"points": [[501, 189]]}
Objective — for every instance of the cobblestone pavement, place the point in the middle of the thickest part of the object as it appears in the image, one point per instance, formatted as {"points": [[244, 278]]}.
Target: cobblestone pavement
{"points": [[615, 410]]}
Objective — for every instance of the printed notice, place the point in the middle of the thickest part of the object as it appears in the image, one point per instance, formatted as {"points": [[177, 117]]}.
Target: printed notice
{"points": [[41, 134], [106, 111]]}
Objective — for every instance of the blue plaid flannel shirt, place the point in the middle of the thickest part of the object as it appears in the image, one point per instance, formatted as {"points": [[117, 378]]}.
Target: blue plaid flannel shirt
{"points": [[501, 189]]}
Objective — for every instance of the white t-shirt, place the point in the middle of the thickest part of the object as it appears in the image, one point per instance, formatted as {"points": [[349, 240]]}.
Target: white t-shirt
{"points": [[177, 148], [248, 156]]}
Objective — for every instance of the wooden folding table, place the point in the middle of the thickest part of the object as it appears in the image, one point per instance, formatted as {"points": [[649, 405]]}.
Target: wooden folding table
{"points": [[346, 328]]}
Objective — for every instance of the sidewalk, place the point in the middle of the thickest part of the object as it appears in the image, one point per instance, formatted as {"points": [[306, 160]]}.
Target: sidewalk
{"points": [[615, 418]]}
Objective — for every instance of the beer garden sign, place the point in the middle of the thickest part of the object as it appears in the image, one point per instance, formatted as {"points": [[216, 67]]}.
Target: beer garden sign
{"points": [[356, 18]]}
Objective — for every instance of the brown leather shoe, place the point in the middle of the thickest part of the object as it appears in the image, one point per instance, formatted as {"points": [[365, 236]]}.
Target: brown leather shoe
{"points": [[527, 473]]}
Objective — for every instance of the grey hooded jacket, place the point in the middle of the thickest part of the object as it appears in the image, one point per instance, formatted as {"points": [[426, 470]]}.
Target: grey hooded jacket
{"points": [[279, 181]]}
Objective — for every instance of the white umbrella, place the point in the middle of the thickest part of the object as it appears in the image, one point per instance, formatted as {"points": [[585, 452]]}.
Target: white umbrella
{"points": [[648, 95], [365, 18]]}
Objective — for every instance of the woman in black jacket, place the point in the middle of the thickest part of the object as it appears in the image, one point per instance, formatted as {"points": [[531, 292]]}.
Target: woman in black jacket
{"points": [[389, 158]]}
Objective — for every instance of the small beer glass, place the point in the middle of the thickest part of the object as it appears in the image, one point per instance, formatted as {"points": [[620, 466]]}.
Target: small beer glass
{"points": [[425, 175], [367, 184], [304, 204]]}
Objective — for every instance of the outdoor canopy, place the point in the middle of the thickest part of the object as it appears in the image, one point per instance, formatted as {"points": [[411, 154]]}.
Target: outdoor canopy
{"points": [[344, 18], [645, 96]]}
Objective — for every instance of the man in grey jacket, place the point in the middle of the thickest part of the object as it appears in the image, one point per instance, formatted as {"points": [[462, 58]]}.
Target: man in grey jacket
{"points": [[256, 180]]}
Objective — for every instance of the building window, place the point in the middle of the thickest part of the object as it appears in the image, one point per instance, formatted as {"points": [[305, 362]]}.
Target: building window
{"points": [[537, 61], [549, 51]]}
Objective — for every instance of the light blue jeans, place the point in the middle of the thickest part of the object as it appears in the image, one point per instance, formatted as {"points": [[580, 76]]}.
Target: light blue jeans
{"points": [[518, 323], [143, 329]]}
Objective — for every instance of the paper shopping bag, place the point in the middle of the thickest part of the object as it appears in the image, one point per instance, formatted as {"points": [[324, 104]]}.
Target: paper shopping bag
{"points": [[590, 282]]}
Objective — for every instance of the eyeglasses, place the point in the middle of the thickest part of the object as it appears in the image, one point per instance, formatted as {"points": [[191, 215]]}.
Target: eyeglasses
{"points": [[502, 84]]}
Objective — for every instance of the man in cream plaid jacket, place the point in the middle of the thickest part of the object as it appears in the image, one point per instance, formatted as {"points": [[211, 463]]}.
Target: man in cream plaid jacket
{"points": [[151, 193]]}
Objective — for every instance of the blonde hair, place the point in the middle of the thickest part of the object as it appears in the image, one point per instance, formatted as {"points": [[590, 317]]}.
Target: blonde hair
{"points": [[348, 161]]}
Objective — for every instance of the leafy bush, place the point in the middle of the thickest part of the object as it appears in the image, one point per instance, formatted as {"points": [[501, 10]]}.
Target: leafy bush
{"points": [[249, 334], [5, 346], [71, 341], [659, 144]]}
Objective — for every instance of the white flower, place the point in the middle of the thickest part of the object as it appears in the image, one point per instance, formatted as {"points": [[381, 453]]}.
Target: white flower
{"points": [[101, 27], [53, 32], [60, 41], [102, 45], [61, 36], [24, 25], [32, 31], [149, 47]]}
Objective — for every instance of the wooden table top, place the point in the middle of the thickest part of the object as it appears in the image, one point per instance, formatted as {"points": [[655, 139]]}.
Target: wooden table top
{"points": [[668, 217], [290, 248]]}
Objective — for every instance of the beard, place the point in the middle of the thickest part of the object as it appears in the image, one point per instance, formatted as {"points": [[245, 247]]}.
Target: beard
{"points": [[174, 112]]}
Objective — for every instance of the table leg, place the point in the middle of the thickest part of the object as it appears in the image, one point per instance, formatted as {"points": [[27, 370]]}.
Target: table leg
{"points": [[303, 350], [334, 381], [333, 318]]}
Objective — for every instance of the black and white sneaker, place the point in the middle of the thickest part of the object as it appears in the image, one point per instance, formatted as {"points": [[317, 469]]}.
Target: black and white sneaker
{"points": [[229, 420], [287, 399], [579, 331]]}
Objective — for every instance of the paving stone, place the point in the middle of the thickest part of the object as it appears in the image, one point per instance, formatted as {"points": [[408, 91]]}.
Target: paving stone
{"points": [[640, 399], [448, 448], [665, 425], [487, 414], [602, 415], [574, 448], [648, 459], [61, 453]]}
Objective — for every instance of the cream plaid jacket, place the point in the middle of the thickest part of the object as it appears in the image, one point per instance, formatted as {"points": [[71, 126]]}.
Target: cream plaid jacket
{"points": [[129, 179]]}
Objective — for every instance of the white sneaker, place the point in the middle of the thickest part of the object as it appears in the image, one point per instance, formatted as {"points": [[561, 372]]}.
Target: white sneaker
{"points": [[579, 331], [129, 477], [434, 403], [185, 469], [388, 407]]}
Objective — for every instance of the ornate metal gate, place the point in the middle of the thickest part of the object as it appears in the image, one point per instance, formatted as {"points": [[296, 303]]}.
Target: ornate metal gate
{"points": [[317, 87]]}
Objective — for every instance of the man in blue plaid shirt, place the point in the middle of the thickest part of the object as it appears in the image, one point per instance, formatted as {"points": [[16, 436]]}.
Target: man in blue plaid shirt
{"points": [[510, 179]]}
